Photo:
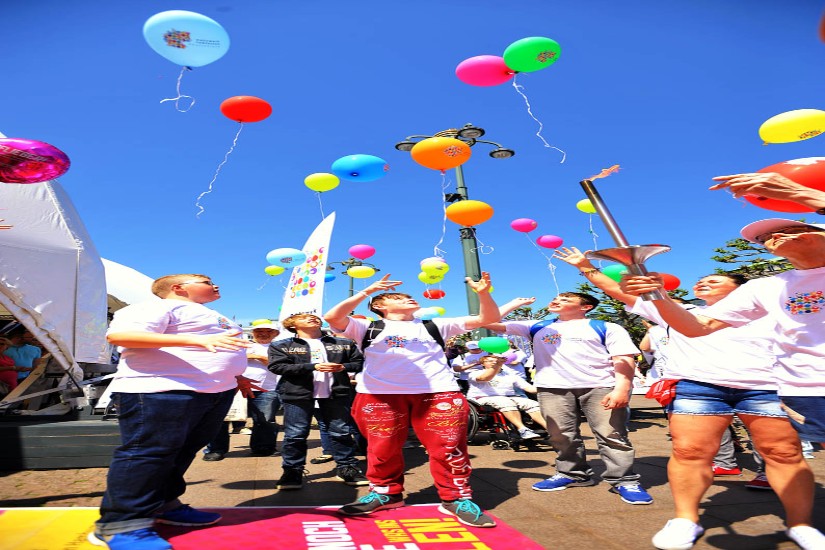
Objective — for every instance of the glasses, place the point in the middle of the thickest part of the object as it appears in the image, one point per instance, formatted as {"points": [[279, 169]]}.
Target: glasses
{"points": [[210, 283], [793, 230]]}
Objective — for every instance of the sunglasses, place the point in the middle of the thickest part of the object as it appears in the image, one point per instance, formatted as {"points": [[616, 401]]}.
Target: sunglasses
{"points": [[210, 283], [793, 230]]}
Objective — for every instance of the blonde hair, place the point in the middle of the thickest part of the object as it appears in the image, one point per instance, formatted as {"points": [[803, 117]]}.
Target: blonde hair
{"points": [[289, 322], [163, 286]]}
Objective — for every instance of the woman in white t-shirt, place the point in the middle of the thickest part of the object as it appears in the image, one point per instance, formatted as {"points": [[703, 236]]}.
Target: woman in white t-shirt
{"points": [[722, 374]]}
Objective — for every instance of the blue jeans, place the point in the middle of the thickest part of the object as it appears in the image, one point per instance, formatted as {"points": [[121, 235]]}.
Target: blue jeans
{"points": [[261, 409], [161, 433], [562, 409], [360, 440], [297, 419], [703, 398]]}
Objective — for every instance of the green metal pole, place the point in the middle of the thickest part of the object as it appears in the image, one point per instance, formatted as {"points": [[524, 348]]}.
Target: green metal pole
{"points": [[469, 248]]}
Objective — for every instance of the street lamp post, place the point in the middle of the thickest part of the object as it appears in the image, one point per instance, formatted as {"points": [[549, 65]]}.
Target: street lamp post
{"points": [[470, 135], [346, 264]]}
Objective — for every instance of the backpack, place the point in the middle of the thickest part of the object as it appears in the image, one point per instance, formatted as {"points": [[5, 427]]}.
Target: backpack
{"points": [[375, 327], [597, 324]]}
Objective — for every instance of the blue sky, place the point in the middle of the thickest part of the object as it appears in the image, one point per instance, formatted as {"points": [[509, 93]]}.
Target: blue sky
{"points": [[674, 92]]}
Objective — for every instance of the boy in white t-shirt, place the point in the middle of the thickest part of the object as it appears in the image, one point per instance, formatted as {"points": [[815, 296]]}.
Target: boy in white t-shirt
{"points": [[406, 381], [179, 370]]}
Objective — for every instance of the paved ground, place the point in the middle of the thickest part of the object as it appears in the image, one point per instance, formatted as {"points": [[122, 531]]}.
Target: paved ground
{"points": [[587, 517]]}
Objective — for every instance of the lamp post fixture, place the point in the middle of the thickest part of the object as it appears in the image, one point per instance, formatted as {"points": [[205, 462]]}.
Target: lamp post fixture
{"points": [[346, 264], [470, 135]]}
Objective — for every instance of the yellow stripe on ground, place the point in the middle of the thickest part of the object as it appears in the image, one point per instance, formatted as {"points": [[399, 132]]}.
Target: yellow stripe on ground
{"points": [[47, 528]]}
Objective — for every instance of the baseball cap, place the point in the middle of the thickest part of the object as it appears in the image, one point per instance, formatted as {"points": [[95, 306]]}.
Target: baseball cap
{"points": [[273, 326], [471, 344], [751, 231]]}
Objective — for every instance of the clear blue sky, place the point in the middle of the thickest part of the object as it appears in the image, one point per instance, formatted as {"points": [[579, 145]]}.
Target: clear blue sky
{"points": [[674, 92]]}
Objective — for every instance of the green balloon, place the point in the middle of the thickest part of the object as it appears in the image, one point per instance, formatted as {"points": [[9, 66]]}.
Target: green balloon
{"points": [[531, 54], [615, 272], [494, 344]]}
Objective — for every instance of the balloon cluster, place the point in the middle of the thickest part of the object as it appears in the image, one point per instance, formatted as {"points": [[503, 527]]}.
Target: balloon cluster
{"points": [[526, 225], [522, 56], [433, 271], [615, 272], [352, 167]]}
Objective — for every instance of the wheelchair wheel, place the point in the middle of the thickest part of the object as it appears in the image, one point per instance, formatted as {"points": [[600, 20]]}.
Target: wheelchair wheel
{"points": [[500, 445], [472, 422]]}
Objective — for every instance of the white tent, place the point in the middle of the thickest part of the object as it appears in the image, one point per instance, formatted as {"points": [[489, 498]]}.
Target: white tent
{"points": [[125, 285]]}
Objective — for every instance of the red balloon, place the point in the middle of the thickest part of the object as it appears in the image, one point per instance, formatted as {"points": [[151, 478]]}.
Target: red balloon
{"points": [[434, 294], [809, 172], [672, 282], [246, 108]]}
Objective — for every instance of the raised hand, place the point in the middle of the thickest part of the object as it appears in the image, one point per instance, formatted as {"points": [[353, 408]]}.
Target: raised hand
{"points": [[482, 285], [384, 284], [572, 256]]}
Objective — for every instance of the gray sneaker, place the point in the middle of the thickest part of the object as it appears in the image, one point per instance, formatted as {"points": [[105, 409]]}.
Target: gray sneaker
{"points": [[370, 503], [467, 513]]}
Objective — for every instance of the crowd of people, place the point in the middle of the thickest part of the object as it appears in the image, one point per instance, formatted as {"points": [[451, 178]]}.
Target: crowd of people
{"points": [[755, 350]]}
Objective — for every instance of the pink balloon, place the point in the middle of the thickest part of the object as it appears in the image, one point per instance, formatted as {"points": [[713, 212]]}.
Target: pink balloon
{"points": [[549, 241], [524, 225], [29, 161], [361, 251], [484, 70]]}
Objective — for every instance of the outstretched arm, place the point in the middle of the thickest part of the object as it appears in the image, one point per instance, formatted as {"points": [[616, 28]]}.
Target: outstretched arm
{"points": [[337, 316], [514, 304], [488, 310], [590, 272], [772, 186]]}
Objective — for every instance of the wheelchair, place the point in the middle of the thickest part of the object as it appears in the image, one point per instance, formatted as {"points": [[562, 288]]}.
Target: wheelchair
{"points": [[502, 435]]}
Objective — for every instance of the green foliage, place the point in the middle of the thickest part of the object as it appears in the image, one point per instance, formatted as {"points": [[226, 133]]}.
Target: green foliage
{"points": [[748, 259]]}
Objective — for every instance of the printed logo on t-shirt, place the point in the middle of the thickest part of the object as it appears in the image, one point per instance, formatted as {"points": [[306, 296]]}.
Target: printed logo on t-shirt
{"points": [[224, 323], [396, 341], [551, 339], [806, 302]]}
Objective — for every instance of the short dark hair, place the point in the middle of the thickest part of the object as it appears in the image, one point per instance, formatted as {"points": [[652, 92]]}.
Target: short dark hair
{"points": [[585, 299], [379, 300], [737, 278]]}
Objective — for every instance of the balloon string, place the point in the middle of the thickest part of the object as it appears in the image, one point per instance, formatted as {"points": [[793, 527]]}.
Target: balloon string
{"points": [[519, 89], [218, 171], [263, 285], [177, 99], [549, 259], [595, 236], [483, 249], [321, 204], [552, 269], [445, 183]]}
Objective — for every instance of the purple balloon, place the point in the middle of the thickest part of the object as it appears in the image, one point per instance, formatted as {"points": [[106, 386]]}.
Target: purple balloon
{"points": [[549, 241], [361, 251], [524, 225], [29, 161]]}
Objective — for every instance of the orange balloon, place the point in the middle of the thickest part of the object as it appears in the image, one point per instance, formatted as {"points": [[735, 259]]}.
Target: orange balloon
{"points": [[469, 212], [440, 153], [246, 108]]}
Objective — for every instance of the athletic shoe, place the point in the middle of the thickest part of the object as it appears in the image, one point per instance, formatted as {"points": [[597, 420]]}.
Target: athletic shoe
{"points": [[292, 478], [632, 494], [467, 513], [808, 454], [760, 482], [720, 471], [321, 459], [560, 482], [677, 534], [807, 537], [213, 457], [352, 476], [370, 503], [187, 516], [527, 433], [245, 431], [141, 539]]}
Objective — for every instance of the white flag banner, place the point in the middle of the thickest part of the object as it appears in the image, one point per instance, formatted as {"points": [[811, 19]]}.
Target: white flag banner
{"points": [[305, 291]]}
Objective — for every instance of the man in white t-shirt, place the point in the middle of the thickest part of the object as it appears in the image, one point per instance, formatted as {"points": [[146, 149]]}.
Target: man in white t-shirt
{"points": [[179, 369], [492, 386], [469, 361], [406, 381], [583, 368]]}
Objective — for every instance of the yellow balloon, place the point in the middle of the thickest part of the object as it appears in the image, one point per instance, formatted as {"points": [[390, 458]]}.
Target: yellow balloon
{"points": [[360, 272], [321, 182], [429, 279], [273, 270], [441, 311], [586, 206], [793, 126], [435, 268]]}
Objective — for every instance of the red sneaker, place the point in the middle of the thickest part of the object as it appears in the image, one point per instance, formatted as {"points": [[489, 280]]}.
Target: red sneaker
{"points": [[760, 482], [720, 471]]}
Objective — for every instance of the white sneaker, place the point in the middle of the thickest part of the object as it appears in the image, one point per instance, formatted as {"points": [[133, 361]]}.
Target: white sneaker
{"points": [[807, 537], [677, 534], [527, 433]]}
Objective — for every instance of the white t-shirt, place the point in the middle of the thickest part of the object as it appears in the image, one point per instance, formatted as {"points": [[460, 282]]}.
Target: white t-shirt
{"points": [[741, 358], [658, 337], [151, 370], [404, 358], [257, 371], [795, 302], [321, 381], [570, 354], [469, 359], [502, 383]]}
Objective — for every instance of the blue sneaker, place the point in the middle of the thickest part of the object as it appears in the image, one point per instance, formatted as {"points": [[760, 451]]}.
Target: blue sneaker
{"points": [[560, 482], [187, 516], [142, 539], [633, 494]]}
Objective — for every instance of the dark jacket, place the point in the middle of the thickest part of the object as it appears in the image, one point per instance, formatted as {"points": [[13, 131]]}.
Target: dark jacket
{"points": [[290, 358]]}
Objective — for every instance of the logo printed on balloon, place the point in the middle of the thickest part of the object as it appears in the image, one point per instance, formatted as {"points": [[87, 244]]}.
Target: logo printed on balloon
{"points": [[30, 161]]}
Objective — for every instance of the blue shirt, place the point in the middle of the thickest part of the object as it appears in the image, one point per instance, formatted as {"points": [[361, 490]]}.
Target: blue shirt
{"points": [[24, 355]]}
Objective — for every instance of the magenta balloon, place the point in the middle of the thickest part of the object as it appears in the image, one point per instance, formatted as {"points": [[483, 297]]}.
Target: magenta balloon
{"points": [[29, 161], [484, 70], [524, 225], [361, 251], [549, 241]]}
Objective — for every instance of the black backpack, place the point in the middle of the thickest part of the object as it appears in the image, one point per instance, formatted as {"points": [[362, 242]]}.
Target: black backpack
{"points": [[375, 328]]}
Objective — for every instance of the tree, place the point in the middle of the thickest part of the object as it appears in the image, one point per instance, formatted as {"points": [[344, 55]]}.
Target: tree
{"points": [[753, 260]]}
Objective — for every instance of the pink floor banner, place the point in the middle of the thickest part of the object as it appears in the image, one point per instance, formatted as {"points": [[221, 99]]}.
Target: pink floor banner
{"points": [[409, 528]]}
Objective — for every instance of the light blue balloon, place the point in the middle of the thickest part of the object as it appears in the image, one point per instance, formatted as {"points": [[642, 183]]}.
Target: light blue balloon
{"points": [[360, 168], [186, 38], [329, 277], [286, 257]]}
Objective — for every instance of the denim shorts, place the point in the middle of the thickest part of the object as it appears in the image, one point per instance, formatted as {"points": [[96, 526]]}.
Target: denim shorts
{"points": [[702, 398], [807, 415]]}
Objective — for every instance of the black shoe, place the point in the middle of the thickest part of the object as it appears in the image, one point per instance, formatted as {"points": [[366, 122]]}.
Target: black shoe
{"points": [[370, 503], [352, 476], [213, 457], [292, 478], [264, 452]]}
